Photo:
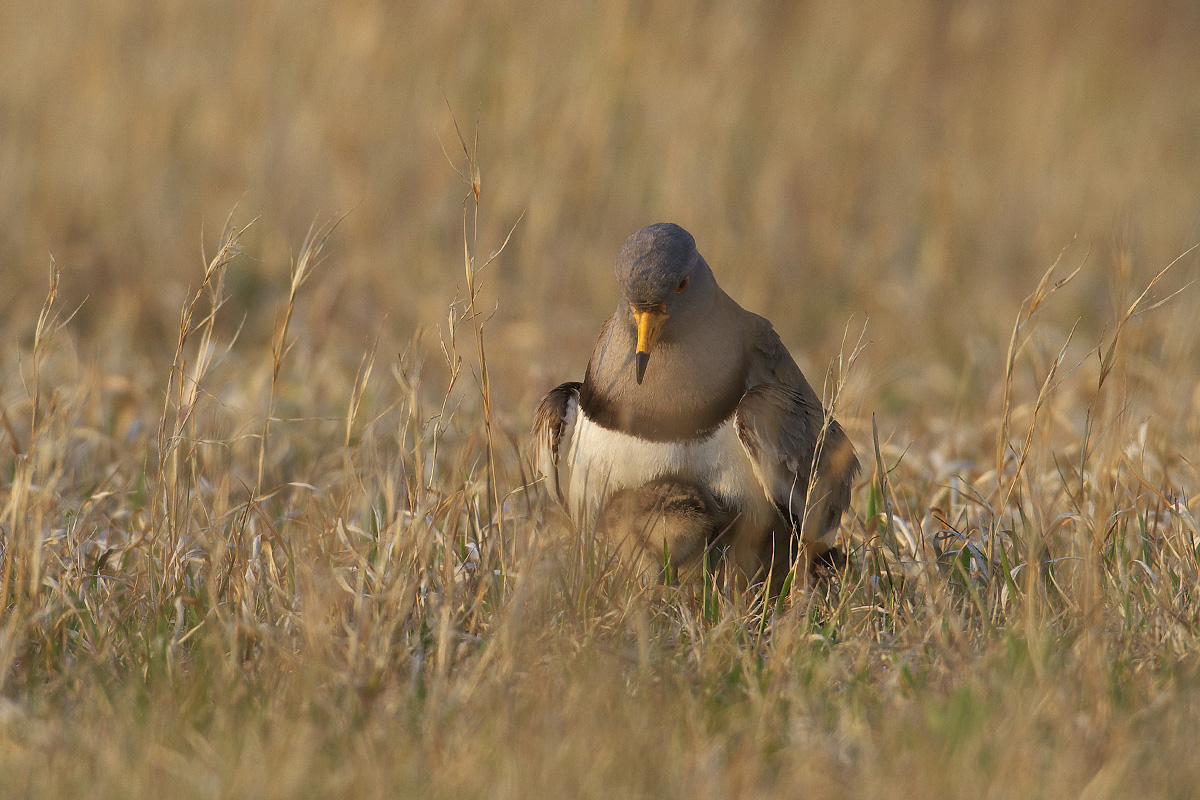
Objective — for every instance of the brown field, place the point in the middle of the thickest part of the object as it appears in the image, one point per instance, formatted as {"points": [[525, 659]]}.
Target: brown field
{"points": [[265, 527]]}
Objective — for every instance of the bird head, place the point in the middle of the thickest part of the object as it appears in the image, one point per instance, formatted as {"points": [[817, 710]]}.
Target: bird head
{"points": [[661, 276]]}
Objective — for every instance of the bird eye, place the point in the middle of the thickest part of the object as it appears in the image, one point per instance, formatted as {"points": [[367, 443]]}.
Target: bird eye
{"points": [[682, 285]]}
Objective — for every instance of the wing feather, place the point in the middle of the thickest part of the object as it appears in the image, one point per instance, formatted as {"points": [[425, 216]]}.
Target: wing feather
{"points": [[801, 457], [553, 427]]}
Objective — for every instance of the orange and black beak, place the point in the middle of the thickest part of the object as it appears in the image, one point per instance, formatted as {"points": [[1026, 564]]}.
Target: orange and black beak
{"points": [[649, 325]]}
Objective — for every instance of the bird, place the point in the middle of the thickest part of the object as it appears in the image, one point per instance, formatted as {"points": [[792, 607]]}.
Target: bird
{"points": [[686, 387], [662, 528]]}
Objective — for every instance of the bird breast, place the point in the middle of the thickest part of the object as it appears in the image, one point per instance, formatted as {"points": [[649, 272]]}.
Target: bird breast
{"points": [[602, 461]]}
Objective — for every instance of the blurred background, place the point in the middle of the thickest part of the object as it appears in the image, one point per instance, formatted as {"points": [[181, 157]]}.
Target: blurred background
{"points": [[913, 166]]}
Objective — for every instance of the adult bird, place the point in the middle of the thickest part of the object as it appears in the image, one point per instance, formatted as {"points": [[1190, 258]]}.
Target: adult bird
{"points": [[687, 387]]}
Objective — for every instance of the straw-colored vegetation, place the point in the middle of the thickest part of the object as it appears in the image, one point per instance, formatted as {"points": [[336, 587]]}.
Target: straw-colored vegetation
{"points": [[265, 521]]}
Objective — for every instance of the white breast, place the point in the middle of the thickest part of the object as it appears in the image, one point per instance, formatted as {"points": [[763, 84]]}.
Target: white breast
{"points": [[602, 461]]}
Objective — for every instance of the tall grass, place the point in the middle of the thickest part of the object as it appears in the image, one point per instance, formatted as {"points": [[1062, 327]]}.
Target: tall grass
{"points": [[218, 601], [260, 538]]}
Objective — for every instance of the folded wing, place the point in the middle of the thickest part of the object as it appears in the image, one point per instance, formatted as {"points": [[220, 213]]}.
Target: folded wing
{"points": [[803, 460]]}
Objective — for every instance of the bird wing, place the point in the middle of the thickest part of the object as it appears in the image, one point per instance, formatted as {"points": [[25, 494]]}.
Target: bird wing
{"points": [[801, 457], [553, 426]]}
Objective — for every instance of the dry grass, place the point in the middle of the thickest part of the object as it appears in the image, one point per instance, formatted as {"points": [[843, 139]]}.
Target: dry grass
{"points": [[264, 523]]}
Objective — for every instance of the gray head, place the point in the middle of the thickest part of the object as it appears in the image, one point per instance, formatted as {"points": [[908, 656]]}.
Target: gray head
{"points": [[661, 276]]}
